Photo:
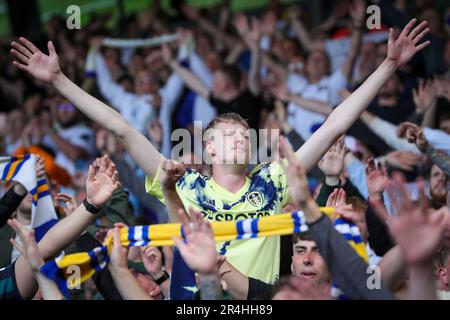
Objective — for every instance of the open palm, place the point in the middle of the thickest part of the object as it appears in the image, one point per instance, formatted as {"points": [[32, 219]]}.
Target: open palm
{"points": [[31, 59], [402, 49], [199, 252], [101, 182]]}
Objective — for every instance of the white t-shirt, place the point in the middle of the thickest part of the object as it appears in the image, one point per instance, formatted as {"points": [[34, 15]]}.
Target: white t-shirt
{"points": [[326, 90]]}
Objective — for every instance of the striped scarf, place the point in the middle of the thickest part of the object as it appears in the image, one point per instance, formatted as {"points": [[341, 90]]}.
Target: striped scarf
{"points": [[22, 169], [161, 235]]}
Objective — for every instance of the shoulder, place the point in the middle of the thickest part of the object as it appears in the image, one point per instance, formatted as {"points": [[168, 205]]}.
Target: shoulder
{"points": [[192, 179], [267, 169]]}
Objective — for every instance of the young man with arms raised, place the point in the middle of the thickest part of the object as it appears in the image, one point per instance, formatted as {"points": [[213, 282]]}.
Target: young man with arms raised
{"points": [[231, 192]]}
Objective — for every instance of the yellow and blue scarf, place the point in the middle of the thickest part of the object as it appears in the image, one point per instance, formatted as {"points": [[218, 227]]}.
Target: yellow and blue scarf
{"points": [[23, 170], [161, 235]]}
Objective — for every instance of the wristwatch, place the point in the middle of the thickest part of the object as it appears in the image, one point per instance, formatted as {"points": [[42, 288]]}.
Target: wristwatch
{"points": [[163, 278], [91, 208]]}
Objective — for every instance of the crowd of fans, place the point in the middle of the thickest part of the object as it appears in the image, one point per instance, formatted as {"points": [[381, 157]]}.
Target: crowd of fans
{"points": [[381, 158]]}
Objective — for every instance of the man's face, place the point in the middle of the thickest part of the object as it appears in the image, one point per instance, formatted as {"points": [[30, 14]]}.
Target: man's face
{"points": [[438, 184], [308, 264], [317, 65], [220, 83], [149, 286], [213, 61], [229, 143], [391, 87], [66, 113], [145, 83]]}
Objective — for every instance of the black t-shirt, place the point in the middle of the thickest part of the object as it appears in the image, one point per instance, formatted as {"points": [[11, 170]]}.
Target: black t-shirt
{"points": [[245, 104]]}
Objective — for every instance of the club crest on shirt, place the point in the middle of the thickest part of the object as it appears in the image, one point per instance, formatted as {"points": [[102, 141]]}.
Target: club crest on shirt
{"points": [[255, 198]]}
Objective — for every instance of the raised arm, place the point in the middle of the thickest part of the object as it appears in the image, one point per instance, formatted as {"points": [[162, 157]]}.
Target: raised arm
{"points": [[357, 13], [400, 50], [251, 36], [100, 185], [302, 33], [46, 68], [190, 79], [282, 93]]}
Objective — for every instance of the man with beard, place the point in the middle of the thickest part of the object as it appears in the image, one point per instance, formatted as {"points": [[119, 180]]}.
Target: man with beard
{"points": [[440, 171]]}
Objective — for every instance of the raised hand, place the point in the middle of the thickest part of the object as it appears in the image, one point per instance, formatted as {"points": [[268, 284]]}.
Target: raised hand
{"points": [[40, 167], [332, 163], [300, 289], [406, 45], [404, 160], [32, 60], [413, 133], [240, 22], [171, 172], [118, 255], [199, 252], [152, 260], [337, 200], [27, 245], [102, 181], [358, 12], [376, 177], [255, 32], [70, 204], [424, 96], [418, 232], [280, 92]]}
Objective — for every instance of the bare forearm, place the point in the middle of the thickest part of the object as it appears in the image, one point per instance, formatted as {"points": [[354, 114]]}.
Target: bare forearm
{"points": [[354, 49], [311, 210], [49, 289], [422, 285], [190, 79], [342, 118], [127, 285], [73, 152], [429, 116], [311, 104], [216, 32], [393, 269], [65, 232], [305, 38], [254, 83], [278, 69], [173, 204], [90, 106], [142, 151]]}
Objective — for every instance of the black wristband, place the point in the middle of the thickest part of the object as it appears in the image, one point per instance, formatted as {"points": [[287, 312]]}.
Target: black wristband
{"points": [[163, 278], [91, 208]]}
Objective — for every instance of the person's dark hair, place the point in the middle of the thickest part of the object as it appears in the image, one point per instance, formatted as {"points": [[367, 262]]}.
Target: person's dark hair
{"points": [[301, 236], [233, 74]]}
